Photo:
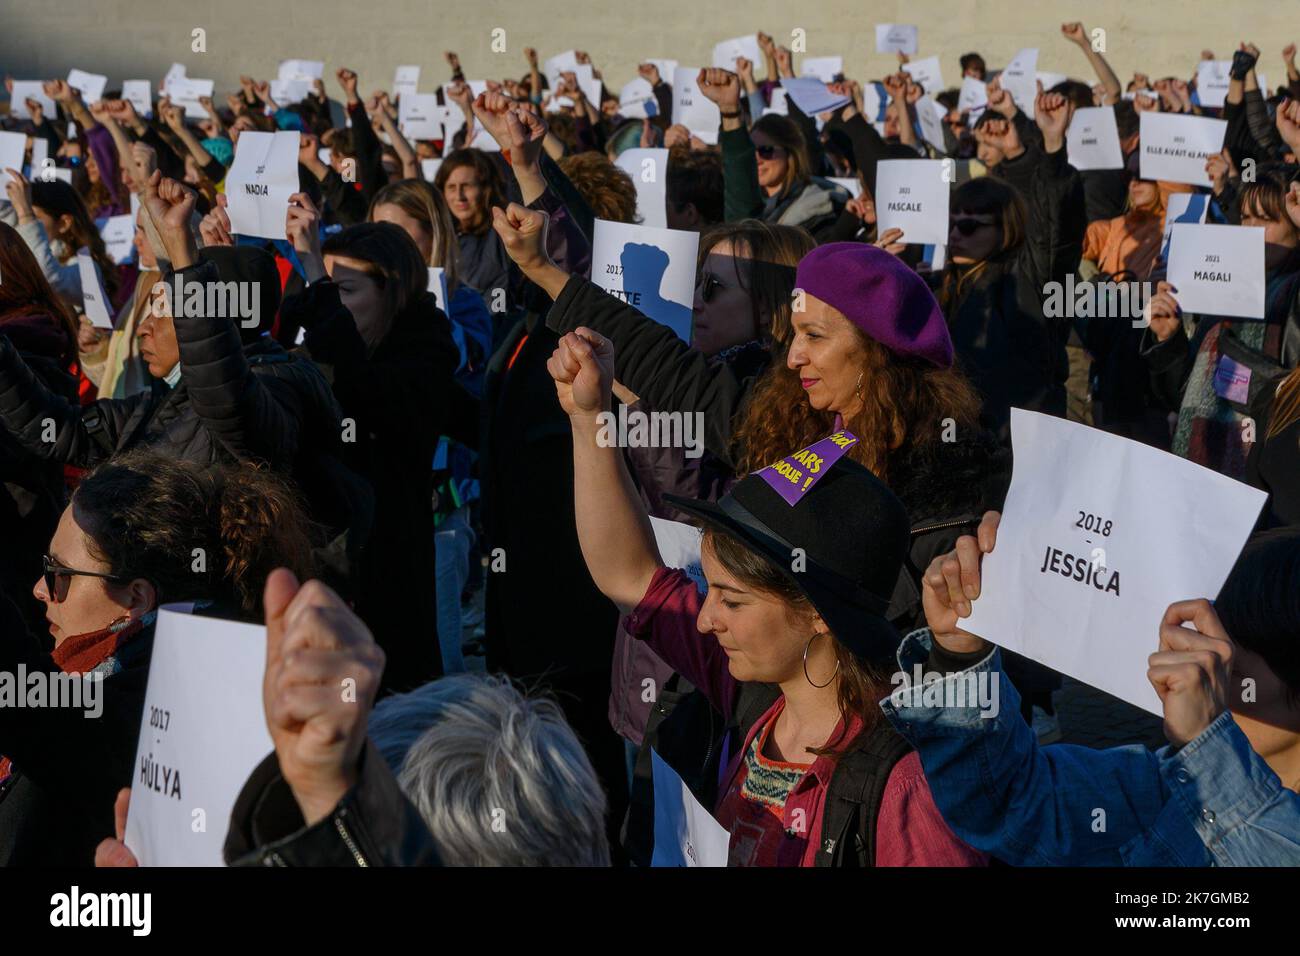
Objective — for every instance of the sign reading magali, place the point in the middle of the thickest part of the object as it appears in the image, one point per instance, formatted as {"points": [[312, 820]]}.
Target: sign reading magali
{"points": [[794, 475]]}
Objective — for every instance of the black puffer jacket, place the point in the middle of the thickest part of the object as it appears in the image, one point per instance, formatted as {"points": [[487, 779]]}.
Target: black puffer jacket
{"points": [[235, 402]]}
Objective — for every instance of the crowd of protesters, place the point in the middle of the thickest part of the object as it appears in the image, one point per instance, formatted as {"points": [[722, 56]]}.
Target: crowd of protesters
{"points": [[393, 486]]}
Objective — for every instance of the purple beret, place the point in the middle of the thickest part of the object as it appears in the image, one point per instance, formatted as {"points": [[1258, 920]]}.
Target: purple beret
{"points": [[881, 296]]}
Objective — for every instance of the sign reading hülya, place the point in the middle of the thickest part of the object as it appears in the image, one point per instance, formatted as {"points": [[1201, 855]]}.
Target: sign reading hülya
{"points": [[262, 178]]}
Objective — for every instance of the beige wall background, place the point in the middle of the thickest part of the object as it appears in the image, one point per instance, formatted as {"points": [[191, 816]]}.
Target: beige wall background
{"points": [[128, 39]]}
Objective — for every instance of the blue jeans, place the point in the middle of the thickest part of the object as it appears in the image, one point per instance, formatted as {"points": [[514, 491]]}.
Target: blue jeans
{"points": [[453, 541]]}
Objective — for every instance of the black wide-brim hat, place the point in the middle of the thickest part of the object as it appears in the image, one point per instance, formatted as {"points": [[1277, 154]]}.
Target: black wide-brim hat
{"points": [[854, 534]]}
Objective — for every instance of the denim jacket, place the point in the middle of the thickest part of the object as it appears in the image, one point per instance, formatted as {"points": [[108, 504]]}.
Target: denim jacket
{"points": [[1214, 802]]}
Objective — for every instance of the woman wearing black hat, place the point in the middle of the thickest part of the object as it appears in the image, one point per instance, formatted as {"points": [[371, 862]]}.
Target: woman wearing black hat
{"points": [[810, 775]]}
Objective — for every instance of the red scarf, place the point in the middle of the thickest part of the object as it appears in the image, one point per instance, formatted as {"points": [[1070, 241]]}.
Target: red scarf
{"points": [[83, 653]]}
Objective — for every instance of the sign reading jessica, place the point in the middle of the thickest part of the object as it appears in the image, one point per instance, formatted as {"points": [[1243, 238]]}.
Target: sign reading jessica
{"points": [[1095, 544], [1092, 141], [1175, 146], [262, 178], [652, 270], [693, 109], [202, 732], [649, 171], [912, 195], [794, 475], [1218, 270]]}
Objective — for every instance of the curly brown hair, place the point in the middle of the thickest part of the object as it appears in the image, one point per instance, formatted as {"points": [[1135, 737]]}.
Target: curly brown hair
{"points": [[608, 190], [194, 532], [906, 403]]}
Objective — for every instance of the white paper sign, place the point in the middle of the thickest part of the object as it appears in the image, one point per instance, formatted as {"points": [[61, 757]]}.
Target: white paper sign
{"points": [[452, 121], [685, 832], [1092, 139], [1096, 541], [896, 38], [927, 73], [652, 270], [726, 52], [636, 100], [1175, 146], [666, 68], [1212, 79], [825, 68], [649, 171], [416, 116], [592, 88], [139, 94], [1050, 80], [94, 299], [429, 169], [40, 153], [912, 195], [777, 104], [693, 109], [203, 732], [565, 62], [406, 79], [812, 95], [25, 90], [185, 92], [118, 233], [13, 150], [261, 179], [679, 547], [974, 96], [90, 85], [1218, 270], [851, 183], [438, 286], [174, 72], [288, 92], [931, 114], [301, 70], [1020, 79]]}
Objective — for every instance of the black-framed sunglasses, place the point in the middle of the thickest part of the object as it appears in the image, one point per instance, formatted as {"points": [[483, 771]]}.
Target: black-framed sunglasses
{"points": [[768, 152], [969, 225], [709, 286], [52, 571]]}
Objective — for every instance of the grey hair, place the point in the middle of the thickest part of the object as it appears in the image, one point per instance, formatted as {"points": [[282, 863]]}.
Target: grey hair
{"points": [[499, 778]]}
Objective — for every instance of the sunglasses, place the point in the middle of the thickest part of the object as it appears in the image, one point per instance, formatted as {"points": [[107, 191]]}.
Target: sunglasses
{"points": [[709, 286], [769, 152], [52, 571], [969, 225]]}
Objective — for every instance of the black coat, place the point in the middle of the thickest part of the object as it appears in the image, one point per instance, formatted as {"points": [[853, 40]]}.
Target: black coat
{"points": [[31, 490], [1011, 351], [57, 805], [395, 402]]}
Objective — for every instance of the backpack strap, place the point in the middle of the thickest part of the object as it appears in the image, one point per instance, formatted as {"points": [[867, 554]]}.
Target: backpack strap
{"points": [[853, 799]]}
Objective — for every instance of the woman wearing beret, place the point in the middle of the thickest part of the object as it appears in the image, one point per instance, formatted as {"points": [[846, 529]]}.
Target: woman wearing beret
{"points": [[808, 773]]}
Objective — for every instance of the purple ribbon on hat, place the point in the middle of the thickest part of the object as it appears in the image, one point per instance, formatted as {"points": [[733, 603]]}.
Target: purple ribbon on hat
{"points": [[793, 475]]}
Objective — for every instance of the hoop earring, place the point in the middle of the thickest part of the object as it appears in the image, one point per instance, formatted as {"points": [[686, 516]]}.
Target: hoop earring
{"points": [[857, 389], [805, 666]]}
